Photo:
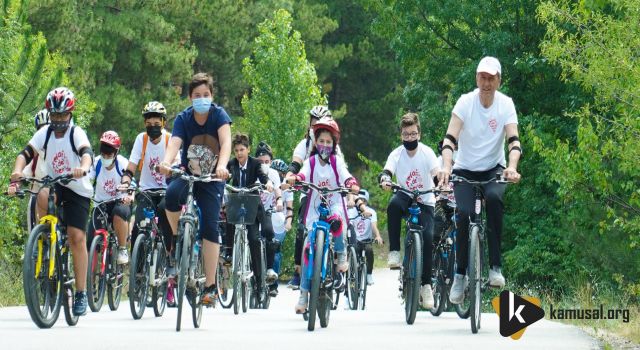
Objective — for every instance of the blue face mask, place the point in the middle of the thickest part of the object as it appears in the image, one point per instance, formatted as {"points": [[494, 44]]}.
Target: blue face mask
{"points": [[201, 105]]}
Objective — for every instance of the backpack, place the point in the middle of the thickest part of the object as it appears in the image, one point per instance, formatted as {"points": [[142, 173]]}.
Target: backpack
{"points": [[145, 140], [73, 145], [99, 166]]}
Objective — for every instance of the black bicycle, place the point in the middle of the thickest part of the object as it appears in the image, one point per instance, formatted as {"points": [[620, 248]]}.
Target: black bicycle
{"points": [[356, 286], [444, 258]]}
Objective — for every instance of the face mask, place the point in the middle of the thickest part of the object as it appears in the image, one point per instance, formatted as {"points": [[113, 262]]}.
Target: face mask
{"points": [[60, 126], [154, 131], [107, 162], [410, 145], [201, 105], [324, 151], [265, 168]]}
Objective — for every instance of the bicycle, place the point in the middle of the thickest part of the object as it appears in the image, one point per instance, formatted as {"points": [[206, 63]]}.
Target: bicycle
{"points": [[444, 255], [148, 264], [411, 269], [189, 262], [47, 271], [321, 267], [260, 297], [356, 289], [105, 274], [242, 210], [224, 272], [478, 270]]}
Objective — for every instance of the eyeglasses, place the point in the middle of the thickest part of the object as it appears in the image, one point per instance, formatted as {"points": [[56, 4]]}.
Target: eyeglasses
{"points": [[410, 134]]}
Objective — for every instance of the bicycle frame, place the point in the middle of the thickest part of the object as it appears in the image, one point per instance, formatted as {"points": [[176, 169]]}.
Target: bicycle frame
{"points": [[328, 242]]}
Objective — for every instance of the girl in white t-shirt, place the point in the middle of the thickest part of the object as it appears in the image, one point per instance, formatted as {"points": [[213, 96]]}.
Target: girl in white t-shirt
{"points": [[324, 169]]}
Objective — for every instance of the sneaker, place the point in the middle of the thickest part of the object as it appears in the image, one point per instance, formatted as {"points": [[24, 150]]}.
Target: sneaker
{"points": [[272, 276], [171, 299], [273, 291], [210, 295], [295, 282], [369, 279], [339, 284], [394, 260], [343, 265], [426, 296], [80, 304], [495, 277], [456, 294], [301, 306], [123, 256]]}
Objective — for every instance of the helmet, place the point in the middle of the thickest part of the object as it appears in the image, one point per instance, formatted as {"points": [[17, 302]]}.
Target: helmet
{"points": [[364, 194], [111, 138], [41, 118], [279, 165], [327, 123], [154, 108], [262, 149], [60, 100], [319, 112]]}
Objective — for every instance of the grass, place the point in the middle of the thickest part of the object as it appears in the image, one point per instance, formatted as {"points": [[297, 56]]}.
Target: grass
{"points": [[11, 292]]}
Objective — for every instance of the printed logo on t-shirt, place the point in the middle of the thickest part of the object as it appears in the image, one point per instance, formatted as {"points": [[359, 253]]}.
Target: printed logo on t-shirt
{"points": [[493, 124], [110, 187], [360, 227], [61, 163], [414, 180], [153, 162]]}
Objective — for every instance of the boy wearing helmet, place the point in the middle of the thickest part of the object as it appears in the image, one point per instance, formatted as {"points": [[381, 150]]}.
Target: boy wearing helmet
{"points": [[365, 228], [323, 168], [66, 150], [36, 169], [108, 174]]}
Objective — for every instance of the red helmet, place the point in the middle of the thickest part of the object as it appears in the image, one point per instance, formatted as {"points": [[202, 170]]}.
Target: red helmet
{"points": [[60, 100], [111, 138], [327, 123]]}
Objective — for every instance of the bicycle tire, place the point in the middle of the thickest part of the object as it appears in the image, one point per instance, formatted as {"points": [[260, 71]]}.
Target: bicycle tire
{"points": [[114, 288], [413, 276], [183, 264], [96, 284], [325, 303], [439, 290], [196, 304], [463, 309], [237, 273], [264, 288], [65, 272], [44, 314], [224, 281], [475, 278], [315, 279], [362, 274], [159, 291], [353, 280], [138, 277]]}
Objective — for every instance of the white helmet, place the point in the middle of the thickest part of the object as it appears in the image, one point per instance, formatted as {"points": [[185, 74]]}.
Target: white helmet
{"points": [[319, 112], [41, 118]]}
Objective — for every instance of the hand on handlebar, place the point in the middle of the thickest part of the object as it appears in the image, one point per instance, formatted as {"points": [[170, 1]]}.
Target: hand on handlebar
{"points": [[379, 240], [386, 185], [510, 174], [78, 173]]}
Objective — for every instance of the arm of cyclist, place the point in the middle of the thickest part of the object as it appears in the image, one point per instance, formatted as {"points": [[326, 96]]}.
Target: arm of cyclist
{"points": [[513, 146], [21, 162], [170, 154], [449, 144], [224, 135], [377, 238]]}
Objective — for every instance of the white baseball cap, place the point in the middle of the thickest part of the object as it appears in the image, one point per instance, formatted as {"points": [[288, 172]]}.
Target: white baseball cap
{"points": [[489, 65]]}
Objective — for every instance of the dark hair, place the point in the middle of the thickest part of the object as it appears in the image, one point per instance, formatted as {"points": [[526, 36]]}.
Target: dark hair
{"points": [[107, 149], [240, 139], [200, 79], [263, 148], [410, 119]]}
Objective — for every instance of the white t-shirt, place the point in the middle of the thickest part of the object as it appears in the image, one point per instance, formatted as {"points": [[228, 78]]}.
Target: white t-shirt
{"points": [[61, 159], [154, 154], [414, 173], [361, 225], [323, 175], [269, 198], [481, 140], [279, 219], [108, 180]]}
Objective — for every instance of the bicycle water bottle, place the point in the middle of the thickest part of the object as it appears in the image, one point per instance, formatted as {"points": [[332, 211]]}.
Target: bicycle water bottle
{"points": [[414, 211]]}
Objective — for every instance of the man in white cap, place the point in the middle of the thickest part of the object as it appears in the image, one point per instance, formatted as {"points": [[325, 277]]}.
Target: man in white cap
{"points": [[480, 122]]}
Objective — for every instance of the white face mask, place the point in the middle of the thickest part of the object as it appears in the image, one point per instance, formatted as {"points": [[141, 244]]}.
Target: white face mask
{"points": [[265, 168], [108, 162]]}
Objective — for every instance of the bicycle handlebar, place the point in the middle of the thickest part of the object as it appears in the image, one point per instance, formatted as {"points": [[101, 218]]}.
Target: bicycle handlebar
{"points": [[193, 178], [255, 188], [415, 193], [322, 190], [498, 179]]}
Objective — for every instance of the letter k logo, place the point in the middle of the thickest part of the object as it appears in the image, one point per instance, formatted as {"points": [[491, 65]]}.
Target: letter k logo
{"points": [[517, 313]]}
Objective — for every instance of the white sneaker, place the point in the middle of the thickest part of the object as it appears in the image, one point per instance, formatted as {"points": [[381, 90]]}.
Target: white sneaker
{"points": [[123, 256], [426, 297], [369, 279], [394, 260], [272, 276], [456, 294], [495, 277]]}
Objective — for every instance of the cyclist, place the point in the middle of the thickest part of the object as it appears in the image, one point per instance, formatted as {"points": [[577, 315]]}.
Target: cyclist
{"points": [[107, 176], [479, 123], [324, 168], [365, 227], [203, 130], [66, 149], [414, 165], [36, 169], [281, 220], [246, 171]]}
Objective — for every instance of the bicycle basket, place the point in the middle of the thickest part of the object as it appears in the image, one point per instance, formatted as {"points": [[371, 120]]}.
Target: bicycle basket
{"points": [[236, 202]]}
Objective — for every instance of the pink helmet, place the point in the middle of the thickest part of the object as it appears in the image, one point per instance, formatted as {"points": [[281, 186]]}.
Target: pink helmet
{"points": [[111, 138]]}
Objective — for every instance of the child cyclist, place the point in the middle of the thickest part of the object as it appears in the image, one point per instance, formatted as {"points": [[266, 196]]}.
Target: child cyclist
{"points": [[324, 169], [365, 227]]}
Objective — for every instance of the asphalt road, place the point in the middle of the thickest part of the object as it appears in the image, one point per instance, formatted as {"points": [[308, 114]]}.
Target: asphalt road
{"points": [[381, 326]]}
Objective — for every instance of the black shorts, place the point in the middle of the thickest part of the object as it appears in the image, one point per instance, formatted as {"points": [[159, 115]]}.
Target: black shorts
{"points": [[74, 206]]}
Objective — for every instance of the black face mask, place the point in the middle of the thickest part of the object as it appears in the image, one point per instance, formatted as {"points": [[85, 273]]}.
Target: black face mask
{"points": [[410, 145], [60, 126], [154, 131]]}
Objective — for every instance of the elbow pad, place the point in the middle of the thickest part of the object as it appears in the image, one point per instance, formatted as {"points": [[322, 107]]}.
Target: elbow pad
{"points": [[295, 167], [86, 150]]}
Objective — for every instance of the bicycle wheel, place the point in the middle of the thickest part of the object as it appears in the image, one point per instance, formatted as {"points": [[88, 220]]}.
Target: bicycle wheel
{"points": [[247, 288], [461, 309], [138, 277], [412, 276], [263, 293], [42, 294], [246, 283], [65, 272], [475, 278], [238, 250], [161, 284], [224, 281], [325, 303], [116, 278], [315, 279], [439, 290], [353, 282], [183, 264], [196, 298], [96, 284], [362, 277]]}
